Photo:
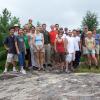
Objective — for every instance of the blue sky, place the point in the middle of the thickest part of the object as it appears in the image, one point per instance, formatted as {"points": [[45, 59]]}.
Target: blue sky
{"points": [[67, 13]]}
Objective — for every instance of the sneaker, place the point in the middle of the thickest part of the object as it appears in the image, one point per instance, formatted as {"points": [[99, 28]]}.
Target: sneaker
{"points": [[5, 71], [14, 69], [23, 71]]}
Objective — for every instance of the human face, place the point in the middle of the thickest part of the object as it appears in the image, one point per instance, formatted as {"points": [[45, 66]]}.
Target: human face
{"points": [[12, 31], [74, 33], [60, 35], [52, 28], [20, 31], [94, 31], [44, 27], [85, 29], [70, 33], [33, 30], [57, 27], [25, 31], [37, 29], [30, 21], [61, 30]]}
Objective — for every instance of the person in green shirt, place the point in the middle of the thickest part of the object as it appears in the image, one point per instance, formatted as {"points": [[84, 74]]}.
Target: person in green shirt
{"points": [[28, 53]]}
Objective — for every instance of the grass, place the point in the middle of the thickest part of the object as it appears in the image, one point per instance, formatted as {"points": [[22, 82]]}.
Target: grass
{"points": [[82, 69]]}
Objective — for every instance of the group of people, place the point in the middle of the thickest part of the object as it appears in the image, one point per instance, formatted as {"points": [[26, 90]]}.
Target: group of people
{"points": [[36, 48]]}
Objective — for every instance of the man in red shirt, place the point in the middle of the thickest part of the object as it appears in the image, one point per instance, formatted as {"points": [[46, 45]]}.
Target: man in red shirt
{"points": [[52, 35]]}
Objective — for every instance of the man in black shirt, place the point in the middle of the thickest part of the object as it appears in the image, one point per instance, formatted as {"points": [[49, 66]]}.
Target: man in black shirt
{"points": [[46, 44], [9, 45]]}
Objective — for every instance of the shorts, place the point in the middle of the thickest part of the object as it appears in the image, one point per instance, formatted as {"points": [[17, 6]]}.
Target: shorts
{"points": [[70, 57], [39, 46], [84, 50], [60, 57], [90, 51], [97, 49], [12, 57]]}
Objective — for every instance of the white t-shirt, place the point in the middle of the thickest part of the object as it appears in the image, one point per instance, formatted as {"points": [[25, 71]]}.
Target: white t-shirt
{"points": [[71, 44], [77, 40]]}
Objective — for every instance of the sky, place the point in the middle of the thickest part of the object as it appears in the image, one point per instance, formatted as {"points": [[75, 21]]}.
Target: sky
{"points": [[67, 13]]}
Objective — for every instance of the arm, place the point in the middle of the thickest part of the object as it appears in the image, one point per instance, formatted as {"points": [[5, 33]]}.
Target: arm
{"points": [[33, 42], [86, 43], [17, 49], [65, 45], [55, 45], [5, 44], [94, 44]]}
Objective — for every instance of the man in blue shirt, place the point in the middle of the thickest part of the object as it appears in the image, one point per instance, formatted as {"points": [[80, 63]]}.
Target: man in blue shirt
{"points": [[9, 45], [97, 43]]}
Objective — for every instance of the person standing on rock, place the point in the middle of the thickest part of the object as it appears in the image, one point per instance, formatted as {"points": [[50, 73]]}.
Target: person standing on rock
{"points": [[60, 51], [21, 50], [70, 57], [38, 43], [31, 36], [97, 43], [90, 45], [46, 45], [9, 45], [53, 33], [28, 54]]}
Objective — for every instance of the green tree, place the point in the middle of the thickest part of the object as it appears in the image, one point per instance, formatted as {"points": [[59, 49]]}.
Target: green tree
{"points": [[14, 20], [91, 20], [6, 21]]}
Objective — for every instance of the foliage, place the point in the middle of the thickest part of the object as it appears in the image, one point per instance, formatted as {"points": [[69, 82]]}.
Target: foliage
{"points": [[91, 20]]}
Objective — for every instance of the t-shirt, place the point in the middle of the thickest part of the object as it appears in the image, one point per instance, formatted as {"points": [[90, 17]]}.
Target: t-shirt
{"points": [[26, 40], [10, 43], [20, 43], [97, 39], [46, 37], [52, 35], [77, 40], [83, 36], [71, 44], [16, 33]]}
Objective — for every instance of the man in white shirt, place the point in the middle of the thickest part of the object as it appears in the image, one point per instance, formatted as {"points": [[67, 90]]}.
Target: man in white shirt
{"points": [[77, 48], [70, 57]]}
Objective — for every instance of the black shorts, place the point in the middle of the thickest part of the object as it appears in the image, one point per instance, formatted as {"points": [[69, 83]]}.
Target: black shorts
{"points": [[60, 57]]}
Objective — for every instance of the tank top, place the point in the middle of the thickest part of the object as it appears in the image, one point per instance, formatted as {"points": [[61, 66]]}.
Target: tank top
{"points": [[60, 46], [90, 42], [38, 39]]}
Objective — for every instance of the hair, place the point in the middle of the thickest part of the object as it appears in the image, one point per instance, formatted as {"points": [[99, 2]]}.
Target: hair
{"points": [[66, 29], [56, 24], [43, 24], [89, 32], [33, 27]]}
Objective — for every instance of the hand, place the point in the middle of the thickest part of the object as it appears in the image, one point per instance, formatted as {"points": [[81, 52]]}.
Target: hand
{"points": [[7, 49], [25, 52], [18, 52]]}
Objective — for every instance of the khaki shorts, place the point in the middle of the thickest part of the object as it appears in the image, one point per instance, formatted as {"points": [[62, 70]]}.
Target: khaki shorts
{"points": [[84, 50], [97, 49], [12, 57], [70, 57]]}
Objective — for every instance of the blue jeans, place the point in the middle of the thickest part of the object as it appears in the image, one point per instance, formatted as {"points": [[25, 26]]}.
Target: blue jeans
{"points": [[21, 59]]}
